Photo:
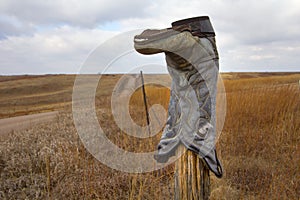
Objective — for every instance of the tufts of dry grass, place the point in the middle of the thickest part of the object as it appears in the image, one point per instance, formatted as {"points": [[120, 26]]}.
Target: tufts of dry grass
{"points": [[259, 148], [260, 143], [49, 162]]}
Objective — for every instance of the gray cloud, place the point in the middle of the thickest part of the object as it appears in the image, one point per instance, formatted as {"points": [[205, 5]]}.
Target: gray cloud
{"points": [[61, 50], [56, 36], [74, 12], [12, 26]]}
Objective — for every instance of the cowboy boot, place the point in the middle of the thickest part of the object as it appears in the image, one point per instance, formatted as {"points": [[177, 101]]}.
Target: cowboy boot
{"points": [[192, 61]]}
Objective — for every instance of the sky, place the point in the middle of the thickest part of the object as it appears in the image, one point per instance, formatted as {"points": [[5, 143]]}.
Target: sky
{"points": [[57, 36]]}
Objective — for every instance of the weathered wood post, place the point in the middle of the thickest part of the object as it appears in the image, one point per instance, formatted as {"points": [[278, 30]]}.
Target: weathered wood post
{"points": [[192, 61], [192, 179]]}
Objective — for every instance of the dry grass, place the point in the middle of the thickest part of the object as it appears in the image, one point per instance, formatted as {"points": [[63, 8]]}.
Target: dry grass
{"points": [[22, 95], [259, 146], [260, 140]]}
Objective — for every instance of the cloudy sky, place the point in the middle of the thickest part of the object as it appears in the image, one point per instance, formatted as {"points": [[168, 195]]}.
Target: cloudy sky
{"points": [[38, 37]]}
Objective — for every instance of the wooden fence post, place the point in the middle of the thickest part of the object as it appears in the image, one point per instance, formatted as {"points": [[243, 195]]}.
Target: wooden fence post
{"points": [[192, 180]]}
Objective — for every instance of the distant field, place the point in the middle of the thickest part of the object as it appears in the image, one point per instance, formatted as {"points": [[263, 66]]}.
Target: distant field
{"points": [[258, 146], [27, 94]]}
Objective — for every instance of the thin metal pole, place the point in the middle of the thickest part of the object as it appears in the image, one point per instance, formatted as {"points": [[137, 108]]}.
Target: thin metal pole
{"points": [[145, 103]]}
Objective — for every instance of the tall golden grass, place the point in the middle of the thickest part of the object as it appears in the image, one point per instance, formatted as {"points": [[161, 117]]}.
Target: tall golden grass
{"points": [[259, 148]]}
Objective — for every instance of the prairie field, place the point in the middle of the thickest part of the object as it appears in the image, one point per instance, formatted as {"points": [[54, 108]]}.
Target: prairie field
{"points": [[258, 145]]}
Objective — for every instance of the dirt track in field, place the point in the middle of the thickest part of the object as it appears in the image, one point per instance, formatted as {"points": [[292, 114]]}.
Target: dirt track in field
{"points": [[22, 122]]}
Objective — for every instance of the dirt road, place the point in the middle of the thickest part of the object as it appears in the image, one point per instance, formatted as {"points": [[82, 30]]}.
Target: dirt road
{"points": [[22, 122]]}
